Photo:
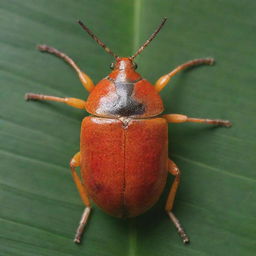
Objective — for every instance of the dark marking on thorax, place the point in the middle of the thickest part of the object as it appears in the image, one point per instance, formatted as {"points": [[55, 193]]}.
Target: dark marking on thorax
{"points": [[125, 104]]}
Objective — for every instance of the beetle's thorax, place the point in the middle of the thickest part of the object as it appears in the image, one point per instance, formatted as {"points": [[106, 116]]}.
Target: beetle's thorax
{"points": [[124, 93]]}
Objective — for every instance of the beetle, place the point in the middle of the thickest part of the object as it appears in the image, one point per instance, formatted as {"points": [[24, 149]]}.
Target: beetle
{"points": [[123, 155]]}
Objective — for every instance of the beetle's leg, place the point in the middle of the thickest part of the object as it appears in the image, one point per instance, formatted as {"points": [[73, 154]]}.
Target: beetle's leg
{"points": [[76, 103], [178, 118], [163, 80], [75, 162], [86, 80], [173, 169]]}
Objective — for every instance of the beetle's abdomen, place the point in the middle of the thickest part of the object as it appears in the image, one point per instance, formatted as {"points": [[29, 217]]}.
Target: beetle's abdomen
{"points": [[124, 169]]}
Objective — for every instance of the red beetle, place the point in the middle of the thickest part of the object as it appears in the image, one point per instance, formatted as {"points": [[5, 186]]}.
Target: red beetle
{"points": [[124, 142]]}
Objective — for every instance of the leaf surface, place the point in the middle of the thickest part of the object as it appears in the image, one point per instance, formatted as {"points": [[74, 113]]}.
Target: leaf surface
{"points": [[40, 207]]}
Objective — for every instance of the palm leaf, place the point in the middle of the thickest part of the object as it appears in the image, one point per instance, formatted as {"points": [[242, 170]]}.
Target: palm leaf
{"points": [[40, 207]]}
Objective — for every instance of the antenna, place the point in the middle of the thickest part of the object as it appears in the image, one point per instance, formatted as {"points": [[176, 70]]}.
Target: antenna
{"points": [[150, 39], [97, 39]]}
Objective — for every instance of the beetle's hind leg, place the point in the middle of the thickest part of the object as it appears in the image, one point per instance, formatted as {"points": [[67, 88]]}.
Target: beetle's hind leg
{"points": [[173, 169], [85, 79], [75, 162]]}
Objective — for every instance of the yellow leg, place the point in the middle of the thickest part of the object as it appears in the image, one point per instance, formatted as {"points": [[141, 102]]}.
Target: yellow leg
{"points": [[75, 162], [163, 81], [85, 79], [173, 169], [177, 118], [76, 103]]}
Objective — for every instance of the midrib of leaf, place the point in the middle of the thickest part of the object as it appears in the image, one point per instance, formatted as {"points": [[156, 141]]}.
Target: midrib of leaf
{"points": [[136, 25], [132, 238], [132, 246]]}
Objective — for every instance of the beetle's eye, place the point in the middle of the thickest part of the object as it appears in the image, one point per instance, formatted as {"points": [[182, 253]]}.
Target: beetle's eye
{"points": [[112, 65], [135, 65]]}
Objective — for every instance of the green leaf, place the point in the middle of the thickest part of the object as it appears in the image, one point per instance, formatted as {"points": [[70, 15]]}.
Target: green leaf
{"points": [[40, 207]]}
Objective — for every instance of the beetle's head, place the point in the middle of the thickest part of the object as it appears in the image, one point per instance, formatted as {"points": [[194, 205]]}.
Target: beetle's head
{"points": [[123, 63]]}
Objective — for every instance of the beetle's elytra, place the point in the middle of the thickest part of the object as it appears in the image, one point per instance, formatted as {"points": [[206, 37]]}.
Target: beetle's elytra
{"points": [[123, 155]]}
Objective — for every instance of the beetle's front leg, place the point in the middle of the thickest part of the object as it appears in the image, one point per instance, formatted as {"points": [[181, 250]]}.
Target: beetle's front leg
{"points": [[173, 169], [164, 80], [178, 118], [75, 162], [85, 79], [73, 102]]}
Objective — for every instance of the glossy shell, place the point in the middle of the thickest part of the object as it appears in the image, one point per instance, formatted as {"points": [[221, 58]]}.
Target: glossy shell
{"points": [[124, 168]]}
